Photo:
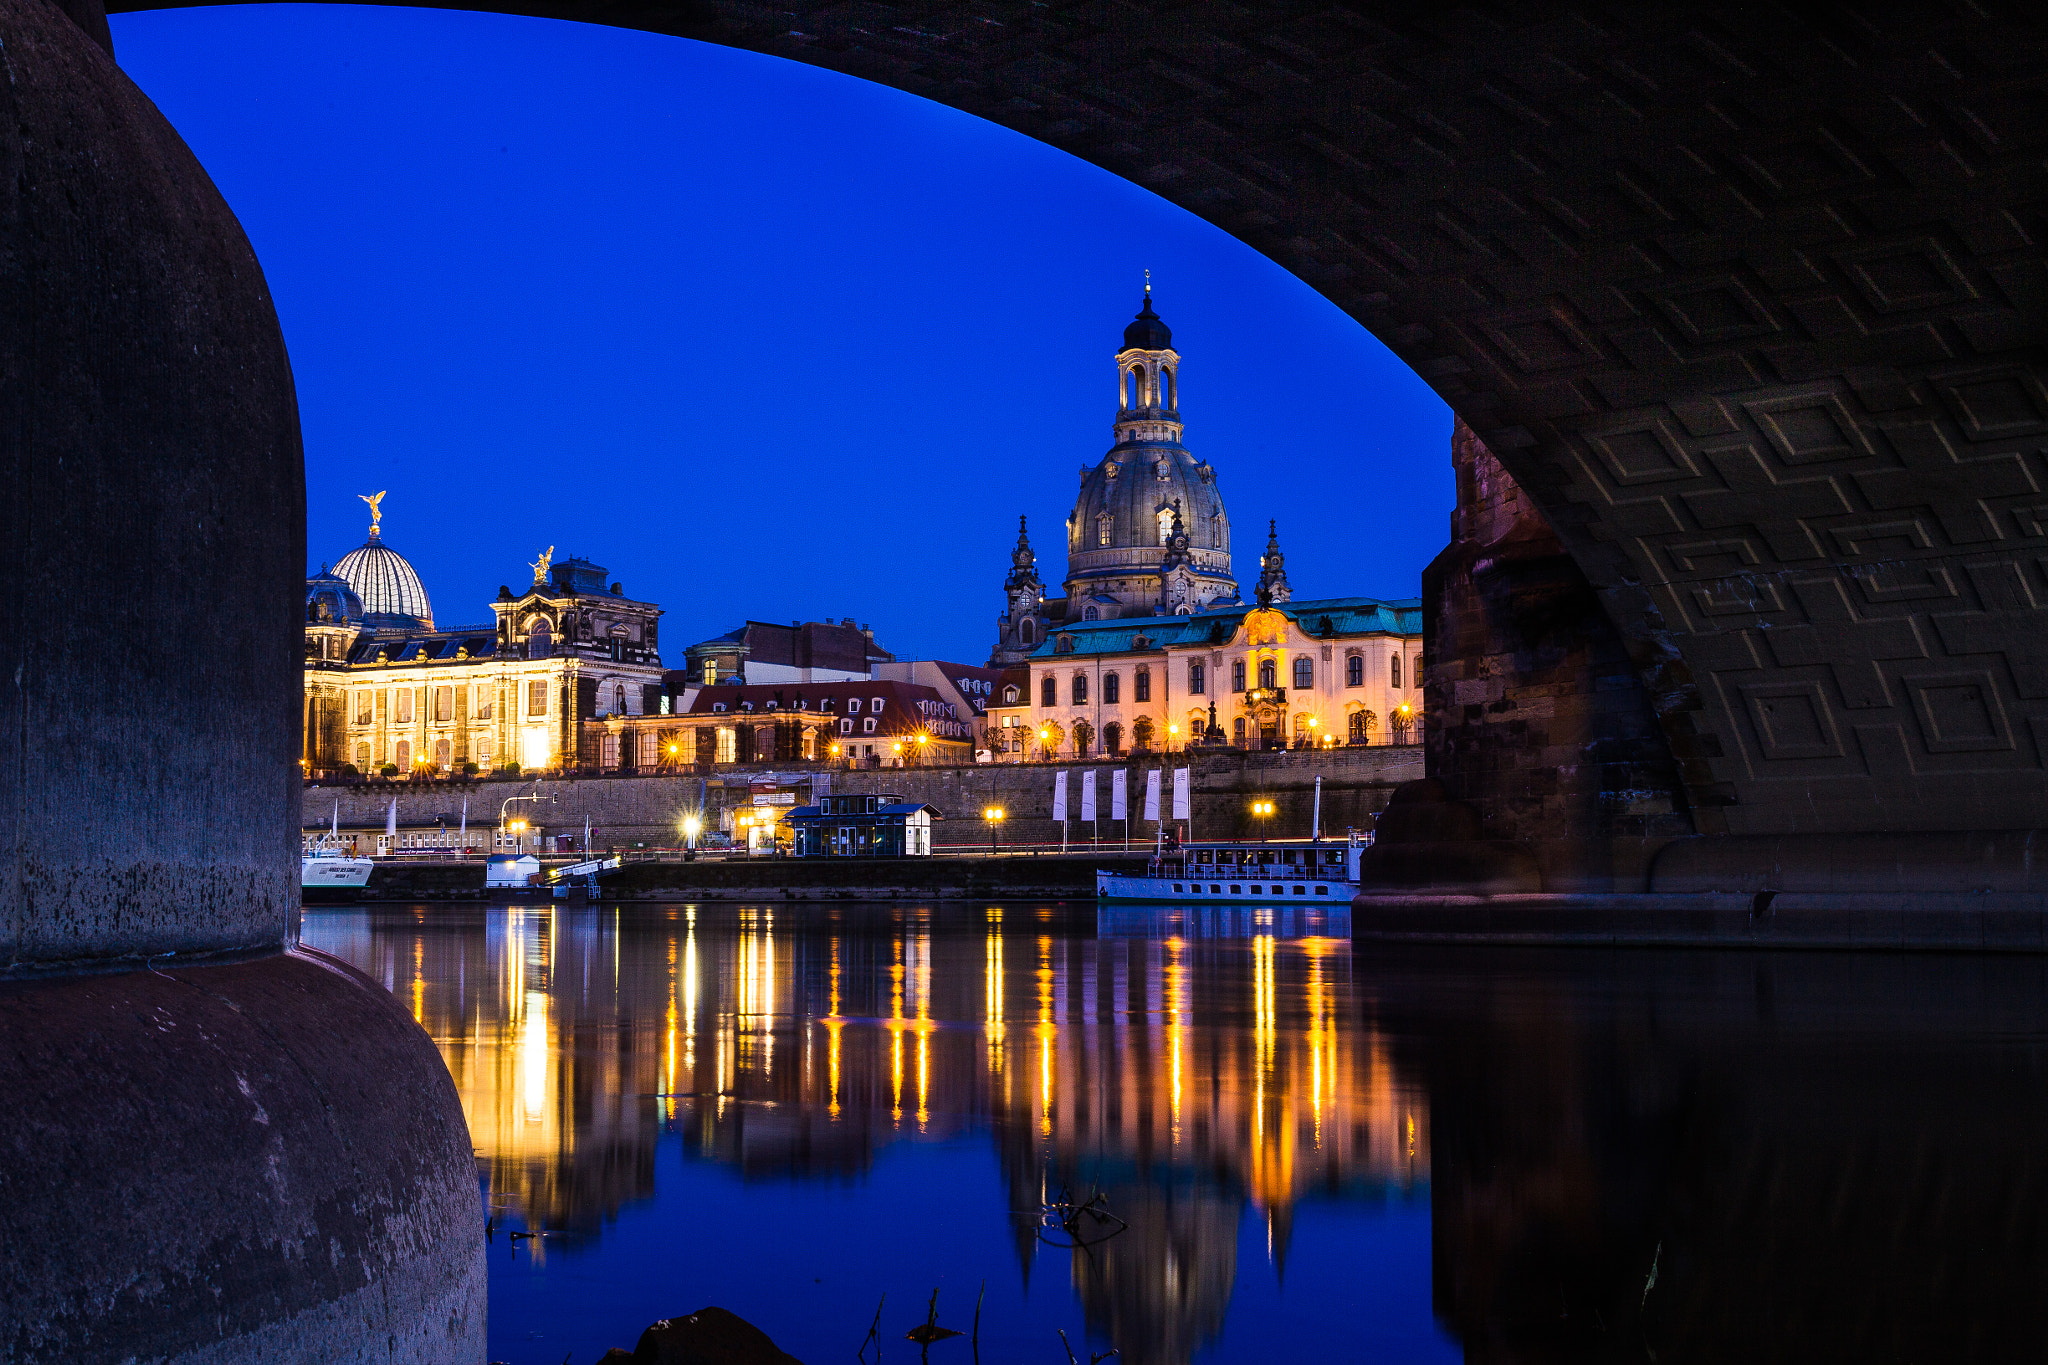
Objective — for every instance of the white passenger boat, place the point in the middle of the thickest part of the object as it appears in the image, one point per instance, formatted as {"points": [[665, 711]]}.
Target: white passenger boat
{"points": [[326, 866], [1279, 872]]}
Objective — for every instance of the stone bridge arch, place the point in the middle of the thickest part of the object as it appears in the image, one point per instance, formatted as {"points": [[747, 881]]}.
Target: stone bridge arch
{"points": [[1748, 302]]}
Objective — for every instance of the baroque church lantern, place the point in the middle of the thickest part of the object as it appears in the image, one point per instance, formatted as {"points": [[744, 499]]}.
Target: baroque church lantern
{"points": [[1148, 535]]}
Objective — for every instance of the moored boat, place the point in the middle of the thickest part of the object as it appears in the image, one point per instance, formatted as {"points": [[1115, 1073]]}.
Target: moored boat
{"points": [[325, 867], [1278, 872]]}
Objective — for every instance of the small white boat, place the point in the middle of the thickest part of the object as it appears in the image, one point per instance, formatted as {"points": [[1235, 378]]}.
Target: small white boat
{"points": [[329, 867], [1280, 872], [325, 865]]}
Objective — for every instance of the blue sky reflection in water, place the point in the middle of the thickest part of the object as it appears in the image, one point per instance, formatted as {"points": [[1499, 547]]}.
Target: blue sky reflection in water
{"points": [[871, 1105]]}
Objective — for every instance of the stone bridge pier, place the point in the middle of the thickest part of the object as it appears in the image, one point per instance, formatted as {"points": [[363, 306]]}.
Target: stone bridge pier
{"points": [[212, 1147]]}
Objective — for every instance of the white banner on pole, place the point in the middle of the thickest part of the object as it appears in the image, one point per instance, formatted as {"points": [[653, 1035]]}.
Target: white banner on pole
{"points": [[1152, 795], [1088, 795], [1180, 795], [1119, 795], [1059, 795]]}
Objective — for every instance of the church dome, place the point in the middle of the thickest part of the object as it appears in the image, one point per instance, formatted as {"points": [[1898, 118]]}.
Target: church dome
{"points": [[389, 589], [1122, 523], [1147, 332], [330, 600]]}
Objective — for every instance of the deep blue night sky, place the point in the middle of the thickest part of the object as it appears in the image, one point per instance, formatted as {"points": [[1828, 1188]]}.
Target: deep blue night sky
{"points": [[766, 341]]}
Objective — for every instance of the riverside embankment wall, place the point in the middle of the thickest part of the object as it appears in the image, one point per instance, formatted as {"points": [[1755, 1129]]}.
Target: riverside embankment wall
{"points": [[629, 810]]}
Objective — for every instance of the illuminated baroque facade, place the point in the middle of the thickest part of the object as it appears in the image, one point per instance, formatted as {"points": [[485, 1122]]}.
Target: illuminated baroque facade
{"points": [[1284, 674], [386, 689]]}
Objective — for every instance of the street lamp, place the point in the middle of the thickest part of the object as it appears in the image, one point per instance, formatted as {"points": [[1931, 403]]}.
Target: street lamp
{"points": [[1172, 735], [1262, 811], [1045, 742], [691, 824], [994, 816]]}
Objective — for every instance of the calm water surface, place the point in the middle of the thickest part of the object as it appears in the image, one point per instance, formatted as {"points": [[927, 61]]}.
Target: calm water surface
{"points": [[1310, 1153]]}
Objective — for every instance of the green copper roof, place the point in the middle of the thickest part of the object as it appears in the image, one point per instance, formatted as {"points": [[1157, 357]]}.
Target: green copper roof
{"points": [[1346, 616]]}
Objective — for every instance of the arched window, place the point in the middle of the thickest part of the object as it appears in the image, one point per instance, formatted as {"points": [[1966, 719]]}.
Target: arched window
{"points": [[1237, 732], [1141, 684], [1269, 674], [1112, 694], [1165, 525], [1089, 613], [1027, 631], [402, 756], [1112, 738], [1010, 695], [619, 700], [1394, 661], [1080, 689], [1168, 383], [1237, 675], [1084, 735], [1128, 390], [1141, 732], [1354, 671], [1198, 679], [1048, 691], [1104, 524], [540, 641], [1304, 672]]}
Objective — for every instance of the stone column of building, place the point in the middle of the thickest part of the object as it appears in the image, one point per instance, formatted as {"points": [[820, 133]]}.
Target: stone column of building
{"points": [[220, 1147]]}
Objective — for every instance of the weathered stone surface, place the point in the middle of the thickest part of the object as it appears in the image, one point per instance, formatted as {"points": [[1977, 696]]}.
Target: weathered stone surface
{"points": [[709, 1336], [154, 529], [1536, 719], [264, 1161]]}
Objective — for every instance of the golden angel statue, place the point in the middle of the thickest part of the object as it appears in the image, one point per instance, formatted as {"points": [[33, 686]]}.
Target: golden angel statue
{"points": [[376, 513], [540, 566]]}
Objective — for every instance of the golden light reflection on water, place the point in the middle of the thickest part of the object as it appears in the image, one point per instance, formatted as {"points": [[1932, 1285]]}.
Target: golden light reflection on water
{"points": [[1218, 1070]]}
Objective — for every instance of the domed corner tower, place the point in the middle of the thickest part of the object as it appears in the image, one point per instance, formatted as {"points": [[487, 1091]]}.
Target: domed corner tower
{"points": [[1148, 535]]}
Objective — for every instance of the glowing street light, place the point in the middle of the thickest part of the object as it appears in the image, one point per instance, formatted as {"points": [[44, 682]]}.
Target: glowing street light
{"points": [[1172, 735], [994, 815], [1262, 811], [691, 824]]}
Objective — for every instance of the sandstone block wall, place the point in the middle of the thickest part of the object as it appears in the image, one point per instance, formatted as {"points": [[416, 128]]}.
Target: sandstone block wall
{"points": [[626, 810]]}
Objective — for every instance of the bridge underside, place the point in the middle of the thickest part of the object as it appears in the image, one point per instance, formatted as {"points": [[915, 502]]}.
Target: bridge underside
{"points": [[1748, 305]]}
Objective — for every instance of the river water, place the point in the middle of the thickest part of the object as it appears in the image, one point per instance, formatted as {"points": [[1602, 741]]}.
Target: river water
{"points": [[1268, 1146]]}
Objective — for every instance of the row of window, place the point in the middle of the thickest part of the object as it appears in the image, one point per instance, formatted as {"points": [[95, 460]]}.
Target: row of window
{"points": [[1198, 680], [372, 704], [825, 705], [441, 755]]}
